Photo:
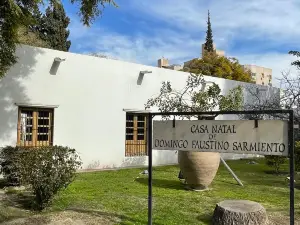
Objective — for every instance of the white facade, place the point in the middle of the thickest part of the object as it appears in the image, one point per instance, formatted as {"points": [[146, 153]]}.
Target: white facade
{"points": [[91, 94]]}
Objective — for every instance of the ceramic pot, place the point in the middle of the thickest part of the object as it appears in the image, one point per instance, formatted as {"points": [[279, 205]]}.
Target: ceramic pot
{"points": [[198, 168]]}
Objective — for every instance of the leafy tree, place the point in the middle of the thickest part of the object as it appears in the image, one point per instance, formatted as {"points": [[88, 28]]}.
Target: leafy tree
{"points": [[219, 66], [14, 14], [52, 28], [275, 162], [289, 99], [297, 156], [208, 46], [27, 36], [195, 97], [297, 62]]}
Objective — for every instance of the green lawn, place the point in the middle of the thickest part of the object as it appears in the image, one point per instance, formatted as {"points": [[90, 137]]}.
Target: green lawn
{"points": [[123, 194]]}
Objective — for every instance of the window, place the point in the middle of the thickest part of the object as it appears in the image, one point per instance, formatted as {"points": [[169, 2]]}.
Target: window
{"points": [[35, 127], [136, 130]]}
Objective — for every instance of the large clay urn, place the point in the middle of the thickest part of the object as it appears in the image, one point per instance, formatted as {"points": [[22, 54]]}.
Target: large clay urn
{"points": [[198, 168]]}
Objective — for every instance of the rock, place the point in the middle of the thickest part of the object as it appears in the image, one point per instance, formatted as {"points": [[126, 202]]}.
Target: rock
{"points": [[252, 162], [239, 212], [288, 179], [144, 172]]}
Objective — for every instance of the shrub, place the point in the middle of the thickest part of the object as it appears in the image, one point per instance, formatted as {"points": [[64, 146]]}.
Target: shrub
{"points": [[8, 166], [47, 170], [275, 161]]}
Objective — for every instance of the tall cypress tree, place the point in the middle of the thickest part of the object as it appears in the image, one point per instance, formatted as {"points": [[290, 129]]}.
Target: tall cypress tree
{"points": [[209, 37], [53, 28]]}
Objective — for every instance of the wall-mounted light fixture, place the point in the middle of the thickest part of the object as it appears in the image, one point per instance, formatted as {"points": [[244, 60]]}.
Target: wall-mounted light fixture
{"points": [[145, 71], [55, 65], [141, 76]]}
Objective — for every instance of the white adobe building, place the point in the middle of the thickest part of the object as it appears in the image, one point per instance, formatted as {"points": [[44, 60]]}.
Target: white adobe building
{"points": [[80, 101]]}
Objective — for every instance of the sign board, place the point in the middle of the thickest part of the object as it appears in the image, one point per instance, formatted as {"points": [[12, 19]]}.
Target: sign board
{"points": [[266, 137]]}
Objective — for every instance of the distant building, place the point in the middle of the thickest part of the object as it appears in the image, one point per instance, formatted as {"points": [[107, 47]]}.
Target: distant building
{"points": [[260, 75], [164, 63], [175, 67]]}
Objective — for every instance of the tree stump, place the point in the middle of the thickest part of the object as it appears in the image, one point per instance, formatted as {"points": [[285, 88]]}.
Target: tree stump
{"points": [[239, 212]]}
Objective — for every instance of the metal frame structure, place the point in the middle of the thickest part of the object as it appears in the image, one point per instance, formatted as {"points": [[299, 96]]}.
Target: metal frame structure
{"points": [[290, 114]]}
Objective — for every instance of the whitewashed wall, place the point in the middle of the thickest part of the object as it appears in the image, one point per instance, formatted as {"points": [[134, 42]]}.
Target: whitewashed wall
{"points": [[91, 94]]}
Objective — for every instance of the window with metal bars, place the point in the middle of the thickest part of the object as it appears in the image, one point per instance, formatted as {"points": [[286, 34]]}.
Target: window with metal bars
{"points": [[136, 128], [35, 126]]}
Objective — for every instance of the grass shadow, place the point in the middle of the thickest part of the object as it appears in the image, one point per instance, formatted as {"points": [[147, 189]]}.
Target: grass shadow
{"points": [[161, 183], [4, 218], [235, 183], [3, 183], [205, 218], [281, 173], [267, 182], [12, 208], [21, 200]]}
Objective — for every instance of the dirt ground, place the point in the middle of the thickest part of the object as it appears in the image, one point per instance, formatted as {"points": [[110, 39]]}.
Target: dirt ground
{"points": [[76, 218], [65, 218], [277, 219]]}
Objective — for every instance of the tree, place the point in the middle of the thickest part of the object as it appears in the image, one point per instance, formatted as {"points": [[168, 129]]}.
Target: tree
{"points": [[52, 28], [14, 14], [219, 66], [209, 45], [271, 101], [27, 36], [195, 97], [289, 99], [275, 161], [297, 62], [297, 156]]}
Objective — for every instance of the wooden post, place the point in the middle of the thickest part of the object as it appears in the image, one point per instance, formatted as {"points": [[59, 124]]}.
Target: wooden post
{"points": [[230, 170]]}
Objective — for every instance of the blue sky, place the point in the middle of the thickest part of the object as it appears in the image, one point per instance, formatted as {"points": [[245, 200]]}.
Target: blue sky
{"points": [[254, 31]]}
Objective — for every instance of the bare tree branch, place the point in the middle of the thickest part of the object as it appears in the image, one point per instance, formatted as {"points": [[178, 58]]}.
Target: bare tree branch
{"points": [[194, 97]]}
